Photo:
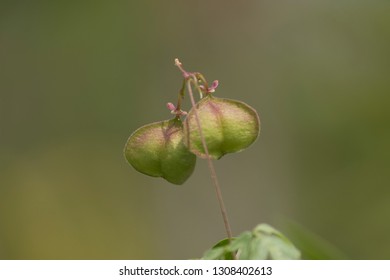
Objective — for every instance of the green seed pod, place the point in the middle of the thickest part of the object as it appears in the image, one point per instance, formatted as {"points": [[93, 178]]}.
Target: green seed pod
{"points": [[228, 126], [158, 150]]}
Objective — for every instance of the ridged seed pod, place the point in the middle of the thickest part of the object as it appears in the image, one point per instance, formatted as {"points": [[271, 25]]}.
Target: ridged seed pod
{"points": [[228, 126], [158, 150]]}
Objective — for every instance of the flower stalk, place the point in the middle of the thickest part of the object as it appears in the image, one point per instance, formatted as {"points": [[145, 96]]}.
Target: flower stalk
{"points": [[193, 79]]}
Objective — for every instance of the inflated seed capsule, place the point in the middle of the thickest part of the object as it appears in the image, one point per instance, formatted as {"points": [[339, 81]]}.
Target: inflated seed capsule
{"points": [[158, 150], [228, 126]]}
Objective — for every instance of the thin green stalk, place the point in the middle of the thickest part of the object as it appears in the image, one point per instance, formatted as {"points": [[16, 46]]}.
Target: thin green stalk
{"points": [[213, 174]]}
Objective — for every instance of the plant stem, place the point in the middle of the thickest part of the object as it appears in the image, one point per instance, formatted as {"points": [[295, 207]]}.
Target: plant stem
{"points": [[213, 174], [181, 96]]}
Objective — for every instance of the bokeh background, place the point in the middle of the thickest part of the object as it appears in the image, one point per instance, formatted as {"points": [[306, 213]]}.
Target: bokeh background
{"points": [[78, 77]]}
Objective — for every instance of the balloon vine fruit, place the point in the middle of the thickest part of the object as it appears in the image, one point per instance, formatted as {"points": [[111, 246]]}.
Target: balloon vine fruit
{"points": [[169, 148], [228, 126], [158, 150]]}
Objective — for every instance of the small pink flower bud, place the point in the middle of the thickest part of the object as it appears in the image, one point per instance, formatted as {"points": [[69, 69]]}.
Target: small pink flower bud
{"points": [[171, 107], [214, 85]]}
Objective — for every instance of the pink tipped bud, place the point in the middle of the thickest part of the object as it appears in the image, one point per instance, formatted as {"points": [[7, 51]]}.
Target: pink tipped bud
{"points": [[171, 107], [214, 85]]}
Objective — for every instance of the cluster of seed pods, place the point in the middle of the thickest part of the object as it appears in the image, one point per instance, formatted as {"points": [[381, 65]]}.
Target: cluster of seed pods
{"points": [[169, 148]]}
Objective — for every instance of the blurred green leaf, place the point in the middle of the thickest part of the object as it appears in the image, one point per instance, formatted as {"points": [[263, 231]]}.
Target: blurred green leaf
{"points": [[264, 242], [312, 245], [219, 251]]}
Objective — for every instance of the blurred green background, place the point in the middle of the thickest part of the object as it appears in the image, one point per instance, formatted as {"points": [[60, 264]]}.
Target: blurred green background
{"points": [[78, 77]]}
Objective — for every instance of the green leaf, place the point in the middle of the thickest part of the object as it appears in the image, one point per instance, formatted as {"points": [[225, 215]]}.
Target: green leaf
{"points": [[272, 244], [264, 242], [312, 245], [219, 251]]}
